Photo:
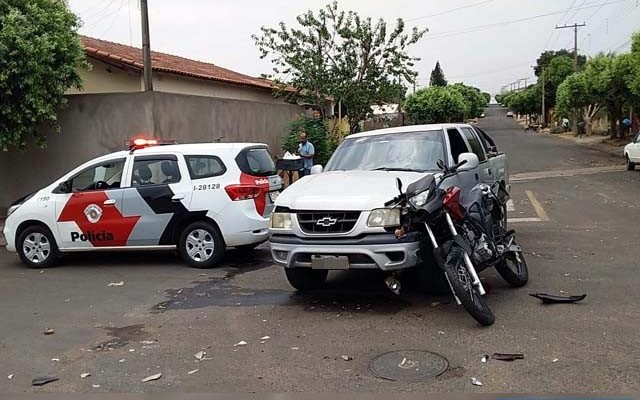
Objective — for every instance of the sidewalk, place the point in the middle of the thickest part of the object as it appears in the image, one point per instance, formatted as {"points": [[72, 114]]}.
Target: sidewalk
{"points": [[600, 143]]}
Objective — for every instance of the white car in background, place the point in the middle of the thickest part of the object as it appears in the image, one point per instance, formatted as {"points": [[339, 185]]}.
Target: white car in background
{"points": [[196, 198], [509, 114], [632, 153]]}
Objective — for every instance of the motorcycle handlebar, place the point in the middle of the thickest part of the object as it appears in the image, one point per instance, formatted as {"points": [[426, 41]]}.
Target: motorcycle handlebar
{"points": [[392, 201]]}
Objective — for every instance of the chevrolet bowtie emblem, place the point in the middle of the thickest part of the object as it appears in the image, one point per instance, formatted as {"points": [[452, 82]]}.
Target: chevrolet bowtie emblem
{"points": [[327, 221]]}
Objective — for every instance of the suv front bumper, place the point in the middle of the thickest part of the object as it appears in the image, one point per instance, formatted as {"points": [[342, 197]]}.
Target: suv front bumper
{"points": [[377, 251]]}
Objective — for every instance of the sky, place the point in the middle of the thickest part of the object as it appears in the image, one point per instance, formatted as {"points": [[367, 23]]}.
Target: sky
{"points": [[484, 43]]}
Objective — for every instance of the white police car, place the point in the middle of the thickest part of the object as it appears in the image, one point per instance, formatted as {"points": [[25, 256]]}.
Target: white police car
{"points": [[196, 198]]}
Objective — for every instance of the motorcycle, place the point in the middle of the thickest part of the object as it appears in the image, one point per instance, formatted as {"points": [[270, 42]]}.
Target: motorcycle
{"points": [[467, 237]]}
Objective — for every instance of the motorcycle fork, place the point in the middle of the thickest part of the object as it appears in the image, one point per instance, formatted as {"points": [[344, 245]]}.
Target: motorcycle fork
{"points": [[467, 260], [440, 261]]}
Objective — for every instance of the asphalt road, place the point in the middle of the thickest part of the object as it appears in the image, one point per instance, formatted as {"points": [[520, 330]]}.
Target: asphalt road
{"points": [[166, 312]]}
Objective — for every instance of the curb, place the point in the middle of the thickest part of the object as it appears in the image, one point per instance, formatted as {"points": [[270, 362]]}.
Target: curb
{"points": [[617, 152]]}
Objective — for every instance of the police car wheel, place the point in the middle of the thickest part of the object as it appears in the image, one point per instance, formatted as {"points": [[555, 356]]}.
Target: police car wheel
{"points": [[201, 245], [37, 248]]}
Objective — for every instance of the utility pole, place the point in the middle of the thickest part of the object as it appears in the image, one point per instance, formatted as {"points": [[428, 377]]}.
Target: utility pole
{"points": [[146, 47], [575, 65]]}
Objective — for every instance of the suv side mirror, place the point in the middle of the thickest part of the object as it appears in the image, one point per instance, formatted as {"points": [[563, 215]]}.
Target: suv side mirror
{"points": [[471, 159], [316, 169]]}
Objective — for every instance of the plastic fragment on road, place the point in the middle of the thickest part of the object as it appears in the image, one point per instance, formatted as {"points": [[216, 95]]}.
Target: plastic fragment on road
{"points": [[132, 350], [555, 360], [295, 348], [484, 359], [147, 342], [49, 331], [85, 375], [553, 299], [346, 358], [154, 377], [111, 284], [95, 386], [476, 382], [122, 360], [265, 338], [240, 343], [200, 355], [441, 332], [43, 380], [10, 376], [507, 356], [193, 371], [55, 359]]}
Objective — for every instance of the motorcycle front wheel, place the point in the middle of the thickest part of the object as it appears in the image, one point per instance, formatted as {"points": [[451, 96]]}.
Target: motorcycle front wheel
{"points": [[513, 269], [462, 285]]}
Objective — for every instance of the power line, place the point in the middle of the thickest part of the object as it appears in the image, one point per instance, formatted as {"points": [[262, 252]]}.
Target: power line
{"points": [[115, 17], [546, 45], [504, 23], [449, 11]]}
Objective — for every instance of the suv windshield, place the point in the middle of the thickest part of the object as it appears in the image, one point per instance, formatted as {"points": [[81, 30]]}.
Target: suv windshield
{"points": [[410, 151]]}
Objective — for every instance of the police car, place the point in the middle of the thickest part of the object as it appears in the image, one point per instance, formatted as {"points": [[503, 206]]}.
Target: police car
{"points": [[196, 198]]}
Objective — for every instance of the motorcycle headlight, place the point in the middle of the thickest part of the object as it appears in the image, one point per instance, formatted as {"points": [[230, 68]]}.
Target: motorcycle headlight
{"points": [[280, 221], [420, 199], [384, 217], [13, 208]]}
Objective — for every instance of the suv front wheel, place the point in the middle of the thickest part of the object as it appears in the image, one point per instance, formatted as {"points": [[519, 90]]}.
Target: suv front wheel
{"points": [[201, 245], [306, 278]]}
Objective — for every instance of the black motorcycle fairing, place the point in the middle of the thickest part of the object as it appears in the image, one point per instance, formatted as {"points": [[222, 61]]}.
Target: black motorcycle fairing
{"points": [[427, 182]]}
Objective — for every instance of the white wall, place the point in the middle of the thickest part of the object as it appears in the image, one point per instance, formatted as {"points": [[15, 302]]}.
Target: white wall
{"points": [[103, 78]]}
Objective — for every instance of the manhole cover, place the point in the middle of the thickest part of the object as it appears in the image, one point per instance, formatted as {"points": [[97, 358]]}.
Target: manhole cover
{"points": [[408, 365]]}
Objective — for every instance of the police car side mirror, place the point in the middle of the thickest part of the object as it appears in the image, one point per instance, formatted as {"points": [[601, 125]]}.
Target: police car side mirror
{"points": [[316, 169]]}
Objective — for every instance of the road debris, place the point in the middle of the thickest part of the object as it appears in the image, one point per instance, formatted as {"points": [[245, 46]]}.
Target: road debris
{"points": [[154, 377], [555, 360], [295, 348], [441, 332], [346, 358], [476, 382], [265, 338], [122, 360], [147, 342], [132, 350], [435, 304], [200, 355], [85, 375], [43, 380], [240, 343], [49, 331], [95, 386], [485, 358], [55, 359], [507, 356], [111, 284], [552, 299], [193, 371], [10, 376]]}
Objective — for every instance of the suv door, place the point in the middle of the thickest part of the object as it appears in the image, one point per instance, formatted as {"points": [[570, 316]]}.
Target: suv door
{"points": [[160, 195], [485, 168], [89, 207]]}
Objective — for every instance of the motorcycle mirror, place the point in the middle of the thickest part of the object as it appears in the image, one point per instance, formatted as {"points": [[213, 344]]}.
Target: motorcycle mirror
{"points": [[440, 164], [399, 185]]}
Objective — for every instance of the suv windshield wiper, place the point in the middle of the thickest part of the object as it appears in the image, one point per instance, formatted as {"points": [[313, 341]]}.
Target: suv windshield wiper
{"points": [[397, 169]]}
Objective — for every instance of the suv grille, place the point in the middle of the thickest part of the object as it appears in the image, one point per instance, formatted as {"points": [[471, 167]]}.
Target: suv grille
{"points": [[327, 221]]}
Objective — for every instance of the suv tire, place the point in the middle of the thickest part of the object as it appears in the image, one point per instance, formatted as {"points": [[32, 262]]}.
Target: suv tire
{"points": [[630, 165], [36, 247], [201, 245], [306, 278]]}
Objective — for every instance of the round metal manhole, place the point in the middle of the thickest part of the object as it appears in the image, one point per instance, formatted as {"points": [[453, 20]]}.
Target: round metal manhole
{"points": [[408, 365]]}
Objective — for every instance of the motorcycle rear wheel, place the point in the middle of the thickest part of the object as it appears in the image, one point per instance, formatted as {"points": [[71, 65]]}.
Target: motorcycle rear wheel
{"points": [[467, 293]]}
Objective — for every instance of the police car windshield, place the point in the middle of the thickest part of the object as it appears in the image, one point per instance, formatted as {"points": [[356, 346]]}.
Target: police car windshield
{"points": [[406, 151]]}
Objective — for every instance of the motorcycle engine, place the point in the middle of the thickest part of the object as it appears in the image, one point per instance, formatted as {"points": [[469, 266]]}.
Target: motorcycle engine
{"points": [[482, 252]]}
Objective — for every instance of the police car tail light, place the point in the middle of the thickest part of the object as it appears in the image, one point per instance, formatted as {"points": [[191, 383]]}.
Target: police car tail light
{"points": [[243, 192]]}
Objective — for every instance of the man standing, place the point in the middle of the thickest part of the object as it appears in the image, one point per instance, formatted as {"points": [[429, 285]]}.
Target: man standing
{"points": [[306, 151]]}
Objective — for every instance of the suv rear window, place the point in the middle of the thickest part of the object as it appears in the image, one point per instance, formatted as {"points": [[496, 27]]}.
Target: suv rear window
{"points": [[256, 161]]}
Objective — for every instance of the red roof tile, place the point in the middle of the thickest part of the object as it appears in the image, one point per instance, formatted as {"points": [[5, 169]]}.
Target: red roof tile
{"points": [[132, 57]]}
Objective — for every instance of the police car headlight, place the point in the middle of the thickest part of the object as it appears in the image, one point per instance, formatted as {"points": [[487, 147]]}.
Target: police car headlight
{"points": [[13, 208], [280, 220], [420, 199], [384, 217]]}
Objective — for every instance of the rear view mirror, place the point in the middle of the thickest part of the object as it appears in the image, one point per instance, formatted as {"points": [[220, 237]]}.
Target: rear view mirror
{"points": [[471, 159], [399, 185], [316, 169]]}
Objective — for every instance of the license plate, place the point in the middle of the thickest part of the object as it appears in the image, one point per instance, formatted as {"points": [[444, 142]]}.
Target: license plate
{"points": [[273, 196], [329, 262]]}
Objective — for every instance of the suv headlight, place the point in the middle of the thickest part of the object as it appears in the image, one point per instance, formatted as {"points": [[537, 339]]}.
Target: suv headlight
{"points": [[420, 199], [13, 208], [384, 217], [280, 221]]}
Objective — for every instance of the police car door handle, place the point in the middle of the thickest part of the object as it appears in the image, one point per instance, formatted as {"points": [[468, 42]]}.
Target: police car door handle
{"points": [[109, 202], [177, 197]]}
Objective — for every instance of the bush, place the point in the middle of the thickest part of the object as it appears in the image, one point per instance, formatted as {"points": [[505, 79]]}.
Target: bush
{"points": [[435, 105], [317, 134]]}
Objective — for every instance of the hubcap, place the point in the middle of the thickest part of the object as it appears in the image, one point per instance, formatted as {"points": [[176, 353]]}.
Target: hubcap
{"points": [[200, 245], [36, 248]]}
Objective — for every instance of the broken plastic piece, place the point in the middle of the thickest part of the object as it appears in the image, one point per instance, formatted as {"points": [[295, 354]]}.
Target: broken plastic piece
{"points": [[552, 299], [485, 358], [121, 283], [265, 338], [476, 382], [95, 386], [43, 380], [85, 375], [193, 371], [10, 376], [49, 331], [200, 355], [240, 343], [346, 358], [555, 360], [154, 377], [122, 360], [507, 356], [55, 359]]}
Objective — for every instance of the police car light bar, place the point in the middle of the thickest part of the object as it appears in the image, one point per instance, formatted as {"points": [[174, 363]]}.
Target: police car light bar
{"points": [[141, 143]]}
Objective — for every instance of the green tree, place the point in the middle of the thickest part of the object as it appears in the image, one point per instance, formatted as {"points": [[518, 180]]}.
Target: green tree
{"points": [[317, 134], [335, 53], [487, 98], [526, 101], [633, 79], [435, 104], [580, 91], [39, 54], [558, 69], [474, 102], [437, 76], [545, 59]]}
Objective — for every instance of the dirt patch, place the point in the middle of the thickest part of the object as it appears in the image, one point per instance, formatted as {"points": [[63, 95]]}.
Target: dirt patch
{"points": [[121, 336]]}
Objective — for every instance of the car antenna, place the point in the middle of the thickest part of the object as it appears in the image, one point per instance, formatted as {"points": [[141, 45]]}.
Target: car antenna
{"points": [[218, 139]]}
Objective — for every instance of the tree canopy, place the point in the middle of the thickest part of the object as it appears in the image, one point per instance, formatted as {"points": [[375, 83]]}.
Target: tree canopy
{"points": [[39, 54], [474, 101], [437, 76], [545, 59], [335, 53], [435, 104]]}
